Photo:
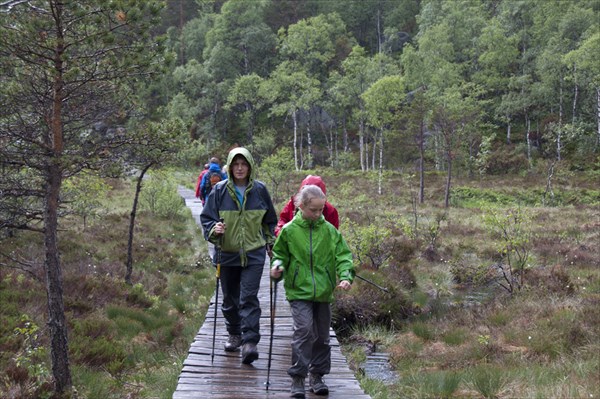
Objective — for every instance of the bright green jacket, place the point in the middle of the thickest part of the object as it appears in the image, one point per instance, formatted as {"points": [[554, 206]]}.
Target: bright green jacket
{"points": [[313, 255]]}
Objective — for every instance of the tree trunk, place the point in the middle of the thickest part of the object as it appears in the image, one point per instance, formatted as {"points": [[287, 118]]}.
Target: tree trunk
{"points": [[295, 120], [373, 158], [560, 122], [598, 115], [138, 189], [422, 161], [309, 143], [508, 129], [54, 290], [345, 130], [448, 181], [361, 141], [528, 137], [380, 179], [379, 34], [575, 96], [251, 121]]}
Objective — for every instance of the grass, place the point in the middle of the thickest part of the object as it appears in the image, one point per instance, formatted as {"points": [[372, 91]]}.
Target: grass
{"points": [[541, 341], [124, 340]]}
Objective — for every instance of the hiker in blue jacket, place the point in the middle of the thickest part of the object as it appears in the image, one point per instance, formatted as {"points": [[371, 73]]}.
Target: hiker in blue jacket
{"points": [[249, 219], [208, 181]]}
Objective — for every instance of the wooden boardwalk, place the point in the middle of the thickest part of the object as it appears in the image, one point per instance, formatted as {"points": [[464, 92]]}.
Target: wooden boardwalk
{"points": [[227, 378]]}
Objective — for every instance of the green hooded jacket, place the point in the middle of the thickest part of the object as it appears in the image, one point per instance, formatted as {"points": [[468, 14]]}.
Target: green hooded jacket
{"points": [[313, 255], [250, 223]]}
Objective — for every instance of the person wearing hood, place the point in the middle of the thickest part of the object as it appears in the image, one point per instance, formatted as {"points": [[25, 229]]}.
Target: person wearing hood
{"points": [[239, 218], [289, 210], [311, 256]]}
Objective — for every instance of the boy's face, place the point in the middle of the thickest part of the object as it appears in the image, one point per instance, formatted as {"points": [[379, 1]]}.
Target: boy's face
{"points": [[240, 169], [314, 209]]}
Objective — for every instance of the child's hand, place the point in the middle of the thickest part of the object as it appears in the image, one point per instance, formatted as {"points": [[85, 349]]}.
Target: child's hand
{"points": [[276, 273], [345, 285], [277, 270]]}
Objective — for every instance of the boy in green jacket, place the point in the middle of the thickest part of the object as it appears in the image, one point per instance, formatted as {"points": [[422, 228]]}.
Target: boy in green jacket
{"points": [[310, 253]]}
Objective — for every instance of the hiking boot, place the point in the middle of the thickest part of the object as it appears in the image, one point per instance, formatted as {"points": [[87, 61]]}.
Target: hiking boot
{"points": [[297, 390], [317, 385], [249, 353], [233, 343]]}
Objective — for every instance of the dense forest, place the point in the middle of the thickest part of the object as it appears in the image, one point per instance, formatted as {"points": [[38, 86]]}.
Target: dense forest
{"points": [[481, 86], [96, 90]]}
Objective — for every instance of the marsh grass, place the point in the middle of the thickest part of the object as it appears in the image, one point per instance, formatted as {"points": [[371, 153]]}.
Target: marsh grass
{"points": [[538, 342], [541, 342], [125, 341], [488, 381]]}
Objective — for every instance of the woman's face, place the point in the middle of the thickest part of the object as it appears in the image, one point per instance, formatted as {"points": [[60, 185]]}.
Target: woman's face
{"points": [[314, 209], [239, 169]]}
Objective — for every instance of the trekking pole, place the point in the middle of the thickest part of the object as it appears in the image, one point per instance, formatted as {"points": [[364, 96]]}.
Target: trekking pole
{"points": [[212, 356], [372, 283], [273, 300]]}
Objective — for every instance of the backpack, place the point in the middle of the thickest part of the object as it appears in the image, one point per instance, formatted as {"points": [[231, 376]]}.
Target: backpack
{"points": [[212, 178]]}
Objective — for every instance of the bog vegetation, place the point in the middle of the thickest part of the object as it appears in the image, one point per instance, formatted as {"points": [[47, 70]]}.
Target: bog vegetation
{"points": [[459, 139], [487, 298]]}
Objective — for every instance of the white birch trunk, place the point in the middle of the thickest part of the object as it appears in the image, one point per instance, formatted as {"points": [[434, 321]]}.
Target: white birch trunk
{"points": [[361, 143], [374, 151], [309, 145], [295, 119], [560, 121], [575, 96], [380, 179], [528, 134], [598, 113]]}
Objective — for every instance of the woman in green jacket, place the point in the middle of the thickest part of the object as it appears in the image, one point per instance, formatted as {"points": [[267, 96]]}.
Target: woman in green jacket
{"points": [[239, 217], [311, 255]]}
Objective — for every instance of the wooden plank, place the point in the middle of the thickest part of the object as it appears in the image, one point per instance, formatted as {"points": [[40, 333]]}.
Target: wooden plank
{"points": [[225, 377]]}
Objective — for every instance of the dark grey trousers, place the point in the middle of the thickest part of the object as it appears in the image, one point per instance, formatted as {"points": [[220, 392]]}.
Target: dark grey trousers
{"points": [[310, 342], [241, 307]]}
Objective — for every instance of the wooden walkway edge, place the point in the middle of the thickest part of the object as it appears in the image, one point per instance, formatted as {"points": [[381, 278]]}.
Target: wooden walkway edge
{"points": [[227, 378]]}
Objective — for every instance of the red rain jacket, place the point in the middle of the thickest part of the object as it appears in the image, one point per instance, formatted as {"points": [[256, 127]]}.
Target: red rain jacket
{"points": [[289, 210]]}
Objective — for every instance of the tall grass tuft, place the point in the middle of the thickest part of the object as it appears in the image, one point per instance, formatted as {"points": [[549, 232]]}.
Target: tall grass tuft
{"points": [[442, 384], [488, 381]]}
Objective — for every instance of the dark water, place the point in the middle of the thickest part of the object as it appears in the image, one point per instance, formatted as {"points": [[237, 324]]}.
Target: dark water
{"points": [[377, 367]]}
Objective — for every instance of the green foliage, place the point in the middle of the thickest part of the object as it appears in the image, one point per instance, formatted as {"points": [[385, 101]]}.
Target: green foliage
{"points": [[84, 195], [159, 196], [32, 355], [473, 197], [442, 384], [512, 228], [275, 168]]}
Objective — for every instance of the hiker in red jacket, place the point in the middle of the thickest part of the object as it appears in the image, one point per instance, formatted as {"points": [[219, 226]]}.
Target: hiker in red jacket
{"points": [[289, 210], [198, 183]]}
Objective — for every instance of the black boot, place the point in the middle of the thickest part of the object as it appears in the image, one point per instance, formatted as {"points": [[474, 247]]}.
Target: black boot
{"points": [[317, 385], [297, 390], [233, 343], [249, 353]]}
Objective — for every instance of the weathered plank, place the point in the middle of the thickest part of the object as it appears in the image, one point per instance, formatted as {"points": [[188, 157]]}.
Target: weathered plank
{"points": [[225, 377]]}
